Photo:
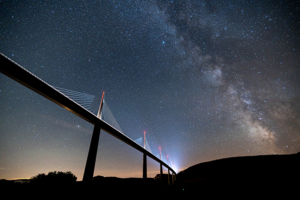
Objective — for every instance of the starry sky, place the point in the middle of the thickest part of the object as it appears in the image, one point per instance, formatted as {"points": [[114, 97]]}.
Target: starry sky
{"points": [[205, 79]]}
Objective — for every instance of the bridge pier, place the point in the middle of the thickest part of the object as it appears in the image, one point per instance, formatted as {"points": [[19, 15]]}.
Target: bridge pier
{"points": [[161, 172], [168, 176], [91, 160], [144, 166], [172, 178]]}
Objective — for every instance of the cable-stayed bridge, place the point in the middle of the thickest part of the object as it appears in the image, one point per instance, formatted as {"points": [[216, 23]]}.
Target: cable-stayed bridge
{"points": [[91, 103], [83, 105]]}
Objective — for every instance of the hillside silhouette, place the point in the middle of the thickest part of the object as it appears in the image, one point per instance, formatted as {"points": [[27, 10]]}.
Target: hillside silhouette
{"points": [[267, 175], [239, 177]]}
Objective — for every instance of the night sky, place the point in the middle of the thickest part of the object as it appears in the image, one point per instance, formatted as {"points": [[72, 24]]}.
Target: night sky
{"points": [[205, 79]]}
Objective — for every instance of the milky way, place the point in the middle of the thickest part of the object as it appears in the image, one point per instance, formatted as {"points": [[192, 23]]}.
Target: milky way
{"points": [[205, 80]]}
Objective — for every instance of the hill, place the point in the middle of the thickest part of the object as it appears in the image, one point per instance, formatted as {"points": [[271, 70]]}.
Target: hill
{"points": [[268, 175]]}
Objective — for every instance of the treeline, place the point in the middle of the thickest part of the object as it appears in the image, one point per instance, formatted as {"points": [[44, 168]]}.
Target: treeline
{"points": [[42, 185], [54, 177]]}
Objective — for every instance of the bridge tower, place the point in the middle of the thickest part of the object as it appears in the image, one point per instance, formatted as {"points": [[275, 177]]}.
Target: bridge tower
{"points": [[91, 159], [144, 139], [160, 153], [99, 115], [168, 160]]}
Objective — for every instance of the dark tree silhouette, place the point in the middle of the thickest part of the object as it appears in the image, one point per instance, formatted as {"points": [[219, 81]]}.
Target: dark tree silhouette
{"points": [[54, 178]]}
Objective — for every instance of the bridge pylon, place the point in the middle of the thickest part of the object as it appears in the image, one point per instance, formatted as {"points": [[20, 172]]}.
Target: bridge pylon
{"points": [[144, 139], [168, 160], [91, 159]]}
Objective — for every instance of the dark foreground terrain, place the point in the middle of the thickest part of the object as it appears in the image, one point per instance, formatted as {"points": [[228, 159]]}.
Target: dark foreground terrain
{"points": [[243, 177], [102, 188], [274, 176]]}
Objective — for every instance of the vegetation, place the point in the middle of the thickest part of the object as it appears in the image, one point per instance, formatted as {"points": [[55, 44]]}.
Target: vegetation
{"points": [[54, 178]]}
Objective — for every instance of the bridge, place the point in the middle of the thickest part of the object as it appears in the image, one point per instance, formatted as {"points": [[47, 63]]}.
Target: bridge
{"points": [[26, 78]]}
